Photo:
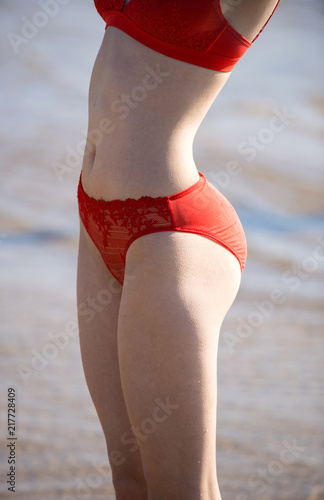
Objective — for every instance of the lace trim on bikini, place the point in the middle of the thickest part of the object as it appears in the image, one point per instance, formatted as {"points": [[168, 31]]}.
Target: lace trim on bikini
{"points": [[136, 216]]}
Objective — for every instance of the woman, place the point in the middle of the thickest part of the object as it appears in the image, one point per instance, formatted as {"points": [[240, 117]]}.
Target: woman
{"points": [[161, 250]]}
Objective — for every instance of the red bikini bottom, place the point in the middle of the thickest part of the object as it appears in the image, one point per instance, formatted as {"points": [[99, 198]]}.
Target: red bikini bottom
{"points": [[200, 209]]}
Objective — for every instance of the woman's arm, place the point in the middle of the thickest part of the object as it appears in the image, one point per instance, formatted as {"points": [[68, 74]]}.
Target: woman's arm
{"points": [[248, 17]]}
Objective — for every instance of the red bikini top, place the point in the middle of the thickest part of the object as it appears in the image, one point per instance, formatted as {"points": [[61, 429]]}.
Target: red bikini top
{"points": [[188, 30]]}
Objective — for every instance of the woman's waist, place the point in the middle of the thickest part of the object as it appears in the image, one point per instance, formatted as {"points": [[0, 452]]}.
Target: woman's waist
{"points": [[123, 169]]}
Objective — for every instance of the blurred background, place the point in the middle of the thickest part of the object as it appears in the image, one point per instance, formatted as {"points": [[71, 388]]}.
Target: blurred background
{"points": [[261, 144]]}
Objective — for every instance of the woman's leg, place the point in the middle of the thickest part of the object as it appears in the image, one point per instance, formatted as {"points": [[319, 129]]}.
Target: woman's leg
{"points": [[168, 328], [98, 306]]}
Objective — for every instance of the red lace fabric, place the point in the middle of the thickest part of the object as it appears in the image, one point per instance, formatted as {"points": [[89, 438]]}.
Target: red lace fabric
{"points": [[200, 209], [114, 225], [188, 30]]}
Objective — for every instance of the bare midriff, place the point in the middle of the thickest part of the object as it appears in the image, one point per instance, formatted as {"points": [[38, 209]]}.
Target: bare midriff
{"points": [[144, 111]]}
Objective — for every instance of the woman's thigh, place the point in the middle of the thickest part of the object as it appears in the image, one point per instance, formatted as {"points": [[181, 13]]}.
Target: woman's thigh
{"points": [[169, 321], [98, 297]]}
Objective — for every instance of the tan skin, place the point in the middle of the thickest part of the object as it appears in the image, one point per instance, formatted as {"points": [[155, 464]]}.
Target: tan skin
{"points": [[156, 340]]}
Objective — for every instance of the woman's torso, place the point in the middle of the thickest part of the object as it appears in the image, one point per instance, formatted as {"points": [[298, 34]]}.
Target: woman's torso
{"points": [[144, 111]]}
